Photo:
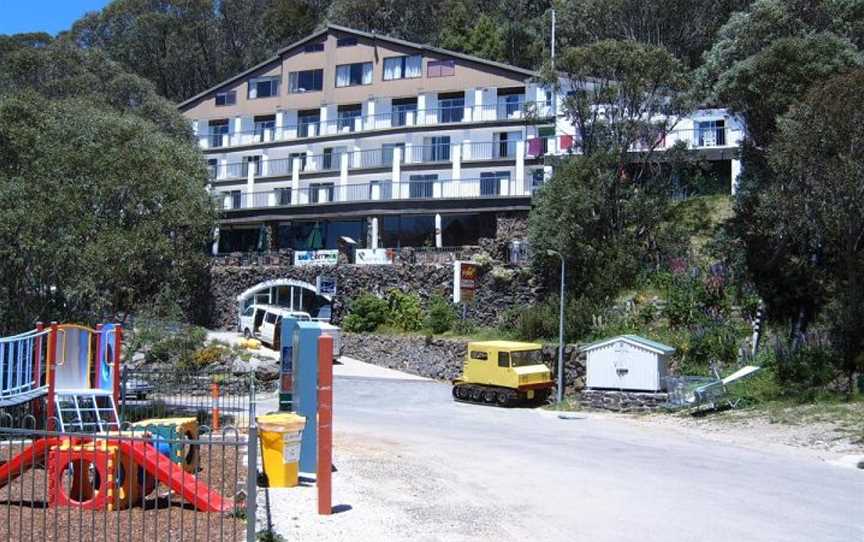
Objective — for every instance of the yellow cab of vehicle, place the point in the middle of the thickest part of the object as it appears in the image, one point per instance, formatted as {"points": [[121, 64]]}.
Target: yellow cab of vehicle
{"points": [[503, 373]]}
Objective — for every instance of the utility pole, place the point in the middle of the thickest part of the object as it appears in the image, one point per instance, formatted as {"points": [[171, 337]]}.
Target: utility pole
{"points": [[553, 39], [560, 389]]}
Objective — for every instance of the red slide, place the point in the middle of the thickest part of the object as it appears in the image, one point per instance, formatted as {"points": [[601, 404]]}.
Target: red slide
{"points": [[24, 461], [172, 475]]}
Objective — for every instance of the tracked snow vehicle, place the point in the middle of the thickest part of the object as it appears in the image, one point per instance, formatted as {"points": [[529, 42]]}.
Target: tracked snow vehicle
{"points": [[503, 373]]}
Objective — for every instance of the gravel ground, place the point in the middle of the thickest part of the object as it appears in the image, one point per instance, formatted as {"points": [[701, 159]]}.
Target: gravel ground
{"points": [[383, 492]]}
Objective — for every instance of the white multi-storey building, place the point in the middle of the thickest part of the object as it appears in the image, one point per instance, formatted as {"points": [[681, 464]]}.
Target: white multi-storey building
{"points": [[391, 143]]}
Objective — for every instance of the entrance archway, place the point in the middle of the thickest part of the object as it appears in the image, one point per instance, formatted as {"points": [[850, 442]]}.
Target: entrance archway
{"points": [[296, 295]]}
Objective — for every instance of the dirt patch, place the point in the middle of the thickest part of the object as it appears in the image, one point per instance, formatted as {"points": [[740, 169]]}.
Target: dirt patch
{"points": [[161, 515]]}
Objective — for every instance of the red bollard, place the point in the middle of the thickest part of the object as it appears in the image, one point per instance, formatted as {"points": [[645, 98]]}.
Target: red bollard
{"points": [[214, 394], [325, 425]]}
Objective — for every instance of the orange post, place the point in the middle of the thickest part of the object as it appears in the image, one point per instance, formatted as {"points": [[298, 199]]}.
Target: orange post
{"points": [[52, 359], [325, 425], [118, 347], [214, 394]]}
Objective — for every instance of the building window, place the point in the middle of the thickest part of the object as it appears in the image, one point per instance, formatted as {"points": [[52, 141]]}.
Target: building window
{"points": [[236, 199], [218, 129], [226, 98], [345, 115], [505, 145], [441, 68], [313, 47], [462, 230], [301, 156], [321, 192], [332, 157], [283, 196], [403, 67], [421, 186], [254, 162], [265, 126], [404, 112], [307, 122], [387, 152], [349, 75], [346, 42], [305, 81], [436, 149], [538, 178], [510, 102], [711, 133], [490, 184], [263, 87], [212, 167], [451, 107]]}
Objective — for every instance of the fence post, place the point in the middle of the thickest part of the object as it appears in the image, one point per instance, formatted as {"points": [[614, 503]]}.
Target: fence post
{"points": [[52, 358], [124, 379], [324, 480], [252, 469], [214, 395]]}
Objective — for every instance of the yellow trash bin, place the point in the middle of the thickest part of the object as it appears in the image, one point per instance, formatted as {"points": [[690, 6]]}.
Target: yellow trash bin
{"points": [[280, 447]]}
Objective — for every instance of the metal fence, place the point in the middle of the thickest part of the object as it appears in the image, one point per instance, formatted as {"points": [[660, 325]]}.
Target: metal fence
{"points": [[214, 398], [135, 484]]}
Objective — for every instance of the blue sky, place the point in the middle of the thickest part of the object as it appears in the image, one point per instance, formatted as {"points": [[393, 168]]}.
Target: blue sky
{"points": [[50, 16]]}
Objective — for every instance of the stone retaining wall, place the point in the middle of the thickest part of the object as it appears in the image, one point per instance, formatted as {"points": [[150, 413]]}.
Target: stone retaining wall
{"points": [[622, 401], [442, 358], [499, 288]]}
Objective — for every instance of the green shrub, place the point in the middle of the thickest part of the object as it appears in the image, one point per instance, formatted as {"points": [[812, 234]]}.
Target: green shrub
{"points": [[209, 355], [464, 327], [804, 371], [176, 346], [406, 313], [367, 313], [441, 315]]}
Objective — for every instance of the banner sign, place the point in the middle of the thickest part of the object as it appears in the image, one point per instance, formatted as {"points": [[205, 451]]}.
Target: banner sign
{"points": [[465, 275], [316, 257], [373, 256]]}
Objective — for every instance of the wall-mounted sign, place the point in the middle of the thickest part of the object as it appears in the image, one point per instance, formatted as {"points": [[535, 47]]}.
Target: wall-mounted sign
{"points": [[465, 275], [374, 256], [326, 285], [316, 257]]}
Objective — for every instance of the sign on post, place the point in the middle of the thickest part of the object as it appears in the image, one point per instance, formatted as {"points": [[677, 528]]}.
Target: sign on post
{"points": [[325, 285], [373, 256], [465, 275]]}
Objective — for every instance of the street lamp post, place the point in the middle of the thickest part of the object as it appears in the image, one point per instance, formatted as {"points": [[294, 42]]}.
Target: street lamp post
{"points": [[560, 390]]}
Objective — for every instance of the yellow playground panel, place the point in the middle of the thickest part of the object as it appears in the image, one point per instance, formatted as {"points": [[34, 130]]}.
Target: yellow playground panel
{"points": [[169, 434]]}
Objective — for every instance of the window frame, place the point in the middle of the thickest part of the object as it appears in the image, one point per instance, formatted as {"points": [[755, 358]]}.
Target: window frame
{"points": [[316, 47], [273, 80], [403, 67], [350, 67], [294, 81], [438, 67], [226, 94], [347, 41]]}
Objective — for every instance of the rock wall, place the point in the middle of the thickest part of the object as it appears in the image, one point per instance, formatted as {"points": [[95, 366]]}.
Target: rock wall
{"points": [[622, 401], [499, 288], [442, 359]]}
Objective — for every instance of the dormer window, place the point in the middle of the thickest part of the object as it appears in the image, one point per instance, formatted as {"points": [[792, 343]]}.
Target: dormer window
{"points": [[263, 87], [313, 47], [226, 98], [346, 41]]}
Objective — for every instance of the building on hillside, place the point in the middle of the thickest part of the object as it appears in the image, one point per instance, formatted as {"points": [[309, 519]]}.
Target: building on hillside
{"points": [[390, 143]]}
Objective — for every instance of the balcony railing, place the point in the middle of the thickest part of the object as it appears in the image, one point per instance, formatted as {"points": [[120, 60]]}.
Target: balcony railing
{"points": [[411, 117], [331, 192]]}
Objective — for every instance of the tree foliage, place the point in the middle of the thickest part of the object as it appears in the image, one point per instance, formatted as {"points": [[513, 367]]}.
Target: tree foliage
{"points": [[102, 204]]}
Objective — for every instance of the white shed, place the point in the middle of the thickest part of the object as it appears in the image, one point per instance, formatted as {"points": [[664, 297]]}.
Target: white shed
{"points": [[627, 362]]}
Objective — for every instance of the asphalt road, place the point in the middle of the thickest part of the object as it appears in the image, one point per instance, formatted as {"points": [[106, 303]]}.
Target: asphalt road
{"points": [[529, 475]]}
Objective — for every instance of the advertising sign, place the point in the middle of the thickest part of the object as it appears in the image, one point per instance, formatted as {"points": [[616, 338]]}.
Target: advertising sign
{"points": [[465, 275], [316, 257], [373, 256]]}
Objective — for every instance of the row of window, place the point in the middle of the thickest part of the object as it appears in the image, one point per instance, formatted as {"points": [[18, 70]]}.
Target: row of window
{"points": [[347, 75], [393, 232]]}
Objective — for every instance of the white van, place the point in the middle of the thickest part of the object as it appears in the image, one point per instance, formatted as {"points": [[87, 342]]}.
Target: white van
{"points": [[263, 322]]}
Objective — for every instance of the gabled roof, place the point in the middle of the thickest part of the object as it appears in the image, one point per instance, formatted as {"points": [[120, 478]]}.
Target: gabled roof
{"points": [[635, 340], [369, 35]]}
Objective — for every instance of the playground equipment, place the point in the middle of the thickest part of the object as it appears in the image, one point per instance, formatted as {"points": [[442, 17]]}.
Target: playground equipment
{"points": [[503, 373], [75, 371]]}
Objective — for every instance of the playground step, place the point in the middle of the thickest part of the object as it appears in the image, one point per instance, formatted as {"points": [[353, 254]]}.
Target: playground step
{"points": [[85, 411]]}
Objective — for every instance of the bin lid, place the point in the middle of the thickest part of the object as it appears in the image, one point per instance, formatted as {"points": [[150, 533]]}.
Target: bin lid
{"points": [[281, 422]]}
